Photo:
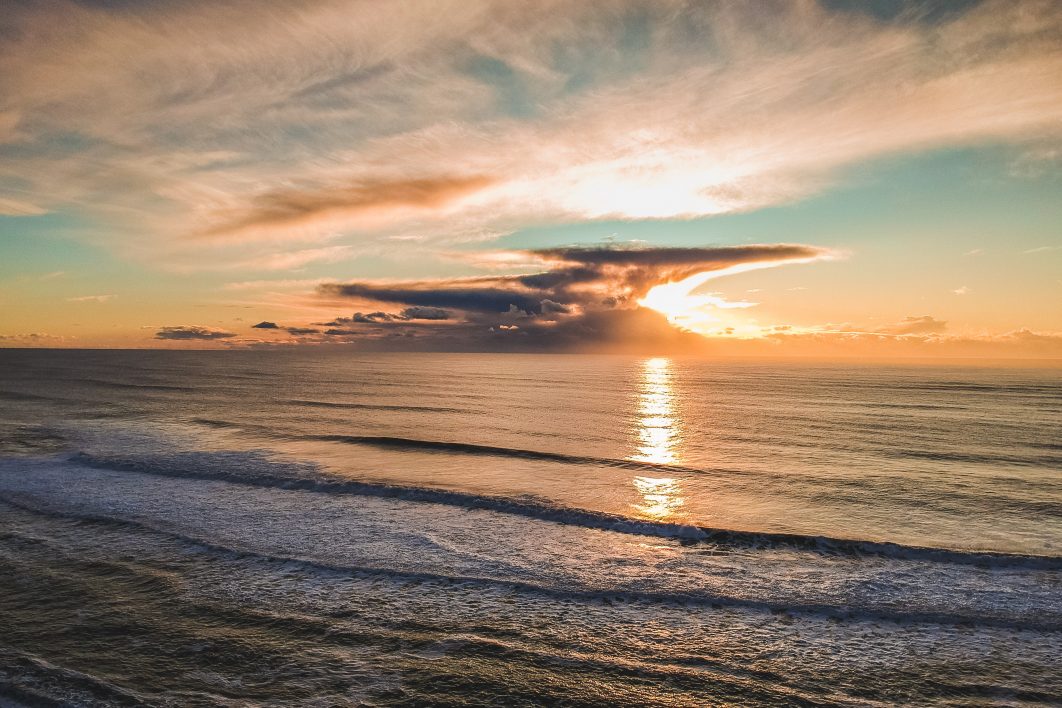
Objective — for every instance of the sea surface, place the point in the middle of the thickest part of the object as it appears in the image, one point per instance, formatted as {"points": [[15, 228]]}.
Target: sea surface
{"points": [[244, 528]]}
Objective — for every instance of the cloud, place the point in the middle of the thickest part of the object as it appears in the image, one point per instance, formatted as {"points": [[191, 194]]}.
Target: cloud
{"points": [[91, 298], [580, 297], [365, 318], [345, 204], [917, 325], [533, 109], [555, 308], [425, 313], [961, 290], [847, 341], [630, 272], [458, 294], [274, 284], [584, 276], [35, 338], [295, 331], [290, 260], [14, 207], [186, 332]]}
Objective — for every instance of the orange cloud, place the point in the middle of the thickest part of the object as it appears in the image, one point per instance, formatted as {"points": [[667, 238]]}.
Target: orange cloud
{"points": [[366, 200]]}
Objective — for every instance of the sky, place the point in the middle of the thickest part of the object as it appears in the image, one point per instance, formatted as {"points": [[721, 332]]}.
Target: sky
{"points": [[878, 178]]}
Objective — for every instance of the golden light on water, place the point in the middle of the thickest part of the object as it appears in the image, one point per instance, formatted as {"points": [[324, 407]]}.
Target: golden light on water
{"points": [[660, 496], [655, 421], [658, 435]]}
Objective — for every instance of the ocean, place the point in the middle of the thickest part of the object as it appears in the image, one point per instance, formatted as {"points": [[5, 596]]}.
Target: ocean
{"points": [[242, 528]]}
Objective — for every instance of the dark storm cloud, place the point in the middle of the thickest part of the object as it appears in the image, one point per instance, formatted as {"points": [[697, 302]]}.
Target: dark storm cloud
{"points": [[630, 272], [617, 330], [441, 295], [669, 257], [192, 332], [555, 308], [425, 313], [583, 298], [363, 318], [586, 276], [297, 331]]}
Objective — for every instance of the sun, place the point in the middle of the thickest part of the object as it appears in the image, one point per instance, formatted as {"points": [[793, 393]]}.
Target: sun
{"points": [[673, 299], [702, 312]]}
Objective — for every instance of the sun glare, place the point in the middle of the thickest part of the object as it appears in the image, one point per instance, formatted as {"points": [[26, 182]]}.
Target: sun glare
{"points": [[706, 313], [658, 436], [701, 313]]}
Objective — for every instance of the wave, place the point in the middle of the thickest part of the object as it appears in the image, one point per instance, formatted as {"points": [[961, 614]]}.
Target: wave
{"points": [[416, 444], [908, 406], [543, 510], [975, 458], [474, 449], [689, 598], [445, 446], [30, 680], [136, 386], [941, 501], [493, 451], [373, 406], [19, 396], [1020, 388]]}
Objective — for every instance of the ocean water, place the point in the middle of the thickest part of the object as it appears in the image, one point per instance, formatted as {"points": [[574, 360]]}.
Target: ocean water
{"points": [[334, 528]]}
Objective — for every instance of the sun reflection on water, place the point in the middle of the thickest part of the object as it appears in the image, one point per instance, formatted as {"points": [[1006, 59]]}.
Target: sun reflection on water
{"points": [[660, 496], [658, 432]]}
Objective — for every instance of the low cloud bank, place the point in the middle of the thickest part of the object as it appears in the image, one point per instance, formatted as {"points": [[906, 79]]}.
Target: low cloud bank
{"points": [[186, 332]]}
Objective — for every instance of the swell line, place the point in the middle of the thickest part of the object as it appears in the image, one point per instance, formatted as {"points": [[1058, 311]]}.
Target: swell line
{"points": [[404, 444], [542, 510], [400, 443], [372, 406]]}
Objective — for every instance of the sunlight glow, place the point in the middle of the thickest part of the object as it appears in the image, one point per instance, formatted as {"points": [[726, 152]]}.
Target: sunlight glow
{"points": [[707, 313]]}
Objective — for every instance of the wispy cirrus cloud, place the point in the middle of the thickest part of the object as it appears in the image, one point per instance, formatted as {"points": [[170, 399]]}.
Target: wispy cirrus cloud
{"points": [[91, 298], [370, 202], [293, 260], [923, 324], [284, 284], [14, 207], [533, 110]]}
